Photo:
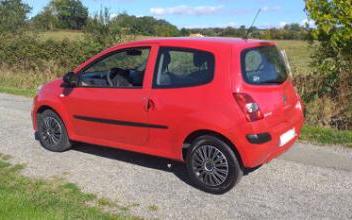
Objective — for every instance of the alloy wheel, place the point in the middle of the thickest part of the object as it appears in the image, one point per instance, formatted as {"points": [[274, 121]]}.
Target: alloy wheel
{"points": [[210, 165]]}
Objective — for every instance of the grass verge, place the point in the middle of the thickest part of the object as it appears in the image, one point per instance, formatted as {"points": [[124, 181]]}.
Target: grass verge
{"points": [[17, 91], [25, 198], [326, 136]]}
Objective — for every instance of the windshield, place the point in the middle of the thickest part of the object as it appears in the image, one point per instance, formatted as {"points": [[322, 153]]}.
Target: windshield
{"points": [[263, 65]]}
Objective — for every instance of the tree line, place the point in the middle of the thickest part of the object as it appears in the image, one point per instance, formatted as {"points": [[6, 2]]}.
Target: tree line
{"points": [[73, 15], [292, 31]]}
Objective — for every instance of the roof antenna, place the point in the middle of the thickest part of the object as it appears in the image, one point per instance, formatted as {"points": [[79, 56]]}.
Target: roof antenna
{"points": [[250, 28]]}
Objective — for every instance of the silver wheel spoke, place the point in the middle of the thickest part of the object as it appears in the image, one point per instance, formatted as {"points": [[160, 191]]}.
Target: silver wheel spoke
{"points": [[210, 165], [51, 131]]}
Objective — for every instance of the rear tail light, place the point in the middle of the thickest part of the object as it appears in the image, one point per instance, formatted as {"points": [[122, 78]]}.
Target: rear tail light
{"points": [[249, 107]]}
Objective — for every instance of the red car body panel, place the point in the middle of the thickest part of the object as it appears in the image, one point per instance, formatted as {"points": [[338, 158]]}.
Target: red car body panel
{"points": [[178, 112]]}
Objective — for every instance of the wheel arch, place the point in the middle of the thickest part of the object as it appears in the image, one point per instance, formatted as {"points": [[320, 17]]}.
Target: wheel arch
{"points": [[188, 141], [44, 107]]}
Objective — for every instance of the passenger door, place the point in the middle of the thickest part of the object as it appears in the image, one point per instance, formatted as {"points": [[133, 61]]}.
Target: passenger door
{"points": [[108, 105], [180, 85]]}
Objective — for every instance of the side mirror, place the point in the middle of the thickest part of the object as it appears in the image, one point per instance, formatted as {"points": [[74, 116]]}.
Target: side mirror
{"points": [[70, 80]]}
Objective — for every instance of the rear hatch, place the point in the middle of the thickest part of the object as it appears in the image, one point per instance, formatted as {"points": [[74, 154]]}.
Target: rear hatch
{"points": [[267, 81]]}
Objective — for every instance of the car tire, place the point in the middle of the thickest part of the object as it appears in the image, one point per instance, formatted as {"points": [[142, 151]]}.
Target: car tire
{"points": [[52, 132], [212, 165]]}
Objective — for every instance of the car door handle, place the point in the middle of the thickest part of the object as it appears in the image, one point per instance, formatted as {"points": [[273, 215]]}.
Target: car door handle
{"points": [[149, 105]]}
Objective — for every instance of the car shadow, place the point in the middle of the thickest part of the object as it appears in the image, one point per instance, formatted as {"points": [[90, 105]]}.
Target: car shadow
{"points": [[177, 168]]}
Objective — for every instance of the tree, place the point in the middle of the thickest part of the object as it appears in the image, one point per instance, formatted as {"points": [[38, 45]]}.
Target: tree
{"points": [[13, 15], [333, 19], [333, 56], [184, 32], [100, 30], [63, 14], [145, 25], [46, 20]]}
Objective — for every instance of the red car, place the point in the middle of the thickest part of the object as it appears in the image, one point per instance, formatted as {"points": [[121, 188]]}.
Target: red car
{"points": [[221, 105]]}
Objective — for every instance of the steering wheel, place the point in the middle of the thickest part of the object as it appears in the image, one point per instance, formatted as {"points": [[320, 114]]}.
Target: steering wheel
{"points": [[110, 75]]}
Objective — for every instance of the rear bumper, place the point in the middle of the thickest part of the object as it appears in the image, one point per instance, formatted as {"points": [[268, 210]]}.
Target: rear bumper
{"points": [[254, 155]]}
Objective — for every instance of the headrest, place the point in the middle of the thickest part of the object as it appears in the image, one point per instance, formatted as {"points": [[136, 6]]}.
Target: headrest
{"points": [[167, 58], [199, 59]]}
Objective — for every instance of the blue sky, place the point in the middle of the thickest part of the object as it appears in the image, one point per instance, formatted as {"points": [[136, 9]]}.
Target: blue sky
{"points": [[198, 13]]}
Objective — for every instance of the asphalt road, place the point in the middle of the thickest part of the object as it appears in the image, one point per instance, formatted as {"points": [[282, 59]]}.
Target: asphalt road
{"points": [[307, 182]]}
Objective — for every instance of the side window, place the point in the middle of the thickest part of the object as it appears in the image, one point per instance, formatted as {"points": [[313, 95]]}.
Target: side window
{"points": [[119, 70], [183, 68]]}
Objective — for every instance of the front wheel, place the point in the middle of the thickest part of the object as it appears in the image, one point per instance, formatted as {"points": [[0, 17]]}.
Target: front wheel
{"points": [[52, 133], [212, 165]]}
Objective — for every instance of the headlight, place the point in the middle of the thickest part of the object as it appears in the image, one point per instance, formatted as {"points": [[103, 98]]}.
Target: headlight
{"points": [[299, 105], [39, 88]]}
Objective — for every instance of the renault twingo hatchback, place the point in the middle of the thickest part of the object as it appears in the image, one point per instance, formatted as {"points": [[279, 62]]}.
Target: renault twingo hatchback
{"points": [[221, 105]]}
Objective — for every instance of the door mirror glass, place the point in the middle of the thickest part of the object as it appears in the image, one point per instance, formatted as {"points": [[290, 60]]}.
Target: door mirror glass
{"points": [[70, 79]]}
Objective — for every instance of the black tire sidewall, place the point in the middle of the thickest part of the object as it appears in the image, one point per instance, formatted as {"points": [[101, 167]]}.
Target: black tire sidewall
{"points": [[235, 171], [64, 142]]}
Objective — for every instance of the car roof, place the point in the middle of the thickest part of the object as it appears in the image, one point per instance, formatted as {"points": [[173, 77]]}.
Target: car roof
{"points": [[220, 41]]}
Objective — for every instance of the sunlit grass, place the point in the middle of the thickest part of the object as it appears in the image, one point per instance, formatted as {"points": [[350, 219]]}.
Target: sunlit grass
{"points": [[25, 198], [326, 136]]}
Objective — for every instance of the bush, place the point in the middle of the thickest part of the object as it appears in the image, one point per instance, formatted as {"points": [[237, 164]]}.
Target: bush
{"points": [[26, 61], [326, 103], [332, 60]]}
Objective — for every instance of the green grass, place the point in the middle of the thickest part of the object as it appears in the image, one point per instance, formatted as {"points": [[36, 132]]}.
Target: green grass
{"points": [[25, 198], [299, 55], [18, 91], [326, 136]]}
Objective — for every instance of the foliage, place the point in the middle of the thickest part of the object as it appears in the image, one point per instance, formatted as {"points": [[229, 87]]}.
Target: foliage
{"points": [[333, 19], [64, 14], [332, 59], [288, 32], [26, 51], [99, 29], [145, 25], [45, 20], [13, 14]]}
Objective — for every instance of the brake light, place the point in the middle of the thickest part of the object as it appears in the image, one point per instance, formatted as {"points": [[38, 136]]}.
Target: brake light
{"points": [[249, 107]]}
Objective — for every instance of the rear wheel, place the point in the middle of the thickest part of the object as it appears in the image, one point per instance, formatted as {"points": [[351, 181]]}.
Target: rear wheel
{"points": [[212, 165], [52, 133]]}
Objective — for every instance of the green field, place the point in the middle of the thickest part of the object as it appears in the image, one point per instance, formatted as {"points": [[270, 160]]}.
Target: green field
{"points": [[299, 54]]}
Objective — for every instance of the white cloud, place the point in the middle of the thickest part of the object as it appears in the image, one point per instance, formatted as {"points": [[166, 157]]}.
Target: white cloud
{"points": [[112, 15], [230, 24], [282, 24], [308, 22], [185, 10], [271, 8]]}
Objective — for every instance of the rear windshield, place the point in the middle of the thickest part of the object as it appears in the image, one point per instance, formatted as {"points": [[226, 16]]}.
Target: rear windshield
{"points": [[263, 65]]}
